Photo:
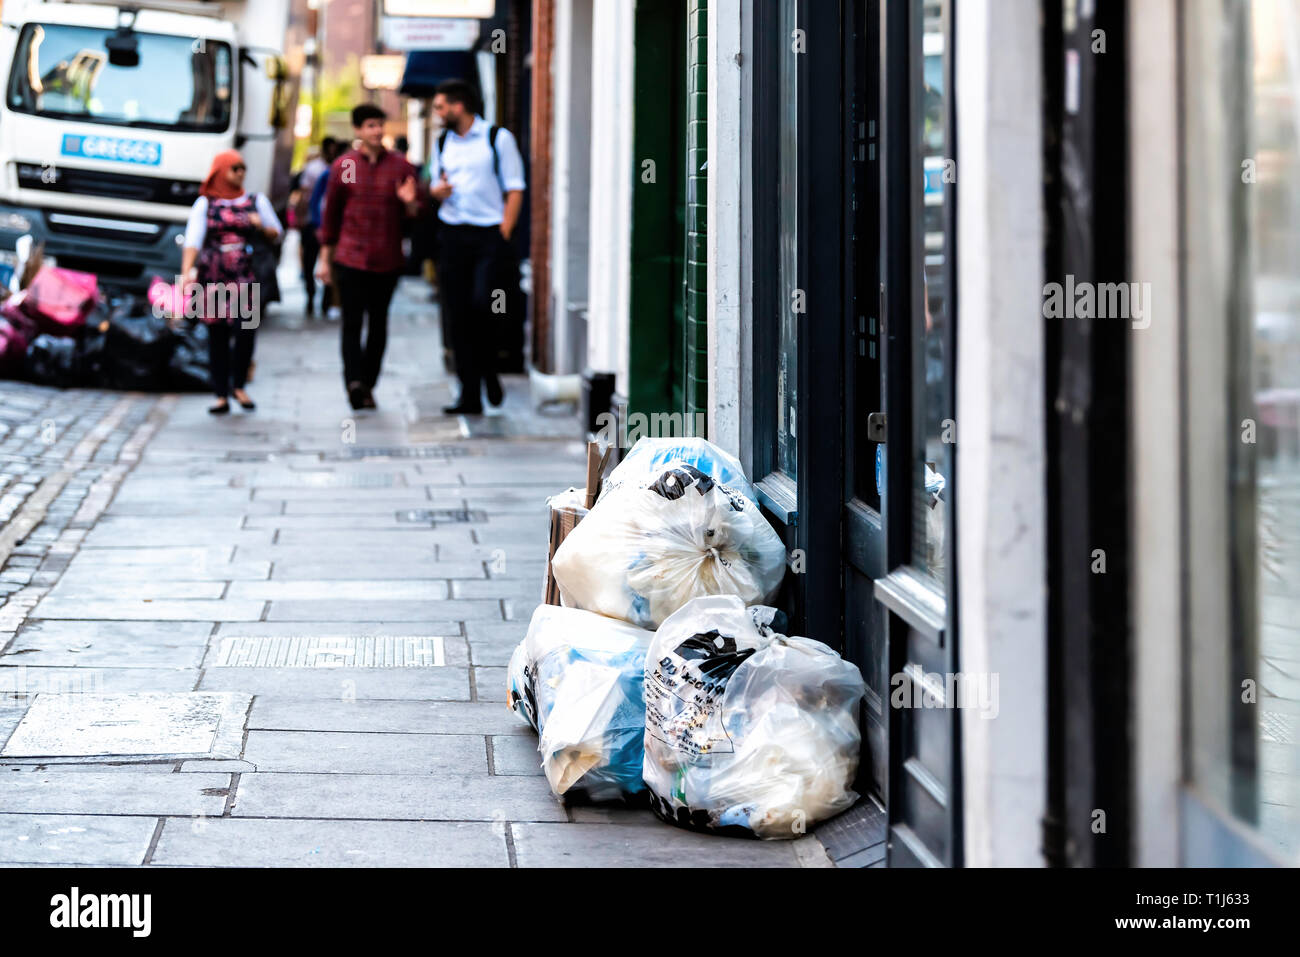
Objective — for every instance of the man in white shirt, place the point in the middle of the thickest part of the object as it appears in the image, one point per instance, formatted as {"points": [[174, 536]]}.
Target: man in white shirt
{"points": [[477, 177]]}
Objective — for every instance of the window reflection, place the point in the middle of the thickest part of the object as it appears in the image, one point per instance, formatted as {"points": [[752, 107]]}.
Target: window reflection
{"points": [[787, 374], [932, 467], [1275, 288]]}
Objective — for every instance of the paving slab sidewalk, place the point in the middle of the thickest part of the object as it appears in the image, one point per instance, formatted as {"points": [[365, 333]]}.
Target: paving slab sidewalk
{"points": [[291, 523]]}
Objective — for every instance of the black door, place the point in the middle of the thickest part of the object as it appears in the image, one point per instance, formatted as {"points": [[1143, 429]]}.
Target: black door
{"points": [[902, 587], [863, 348]]}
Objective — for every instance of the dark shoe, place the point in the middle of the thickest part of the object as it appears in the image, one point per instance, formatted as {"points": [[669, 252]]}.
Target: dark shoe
{"points": [[221, 408], [461, 410], [369, 401], [356, 394], [248, 405], [495, 395]]}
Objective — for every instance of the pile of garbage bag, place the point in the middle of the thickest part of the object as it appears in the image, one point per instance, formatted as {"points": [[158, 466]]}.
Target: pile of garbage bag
{"points": [[63, 331], [576, 678], [663, 673]]}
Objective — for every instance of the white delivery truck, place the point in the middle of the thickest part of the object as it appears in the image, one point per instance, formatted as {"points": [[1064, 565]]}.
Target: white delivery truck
{"points": [[112, 113]]}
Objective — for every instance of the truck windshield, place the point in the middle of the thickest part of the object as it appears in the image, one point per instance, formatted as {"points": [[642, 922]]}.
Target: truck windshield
{"points": [[63, 71]]}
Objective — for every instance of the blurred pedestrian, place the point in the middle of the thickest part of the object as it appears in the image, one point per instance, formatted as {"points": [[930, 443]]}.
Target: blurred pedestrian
{"points": [[477, 178], [224, 224], [306, 204], [371, 190]]}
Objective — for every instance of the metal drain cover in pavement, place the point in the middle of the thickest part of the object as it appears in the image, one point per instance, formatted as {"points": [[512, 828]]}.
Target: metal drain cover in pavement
{"points": [[401, 452], [331, 651], [442, 515], [249, 456], [1276, 727], [192, 724], [326, 480]]}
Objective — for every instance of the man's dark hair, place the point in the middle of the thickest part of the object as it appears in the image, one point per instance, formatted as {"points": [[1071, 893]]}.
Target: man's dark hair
{"points": [[458, 91], [329, 148], [401, 144], [366, 111]]}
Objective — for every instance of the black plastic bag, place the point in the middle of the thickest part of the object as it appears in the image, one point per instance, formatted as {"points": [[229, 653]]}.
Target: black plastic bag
{"points": [[137, 352], [188, 369], [53, 360], [92, 354]]}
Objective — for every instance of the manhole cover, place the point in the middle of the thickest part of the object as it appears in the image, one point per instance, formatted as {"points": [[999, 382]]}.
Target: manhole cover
{"points": [[444, 515], [184, 724], [401, 452], [249, 456], [1275, 726], [331, 651]]}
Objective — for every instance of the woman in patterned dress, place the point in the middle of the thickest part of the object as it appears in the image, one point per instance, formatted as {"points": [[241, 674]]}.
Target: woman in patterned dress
{"points": [[218, 255]]}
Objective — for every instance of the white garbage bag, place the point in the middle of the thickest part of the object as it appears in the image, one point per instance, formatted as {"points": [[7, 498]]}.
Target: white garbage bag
{"points": [[747, 728], [577, 679], [649, 458], [643, 551]]}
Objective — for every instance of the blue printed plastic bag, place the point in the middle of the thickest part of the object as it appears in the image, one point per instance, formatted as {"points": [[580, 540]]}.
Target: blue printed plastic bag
{"points": [[650, 457], [578, 679]]}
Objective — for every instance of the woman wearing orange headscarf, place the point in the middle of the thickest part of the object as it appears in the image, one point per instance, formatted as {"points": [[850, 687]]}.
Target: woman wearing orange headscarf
{"points": [[218, 254]]}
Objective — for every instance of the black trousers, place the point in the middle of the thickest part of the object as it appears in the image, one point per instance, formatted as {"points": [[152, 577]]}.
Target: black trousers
{"points": [[475, 266], [226, 375], [310, 252], [364, 297]]}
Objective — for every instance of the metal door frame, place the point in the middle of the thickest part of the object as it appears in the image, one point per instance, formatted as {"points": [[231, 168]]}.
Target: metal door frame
{"points": [[913, 606]]}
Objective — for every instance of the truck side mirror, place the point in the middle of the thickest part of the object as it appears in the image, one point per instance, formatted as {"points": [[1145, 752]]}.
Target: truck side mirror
{"points": [[278, 71]]}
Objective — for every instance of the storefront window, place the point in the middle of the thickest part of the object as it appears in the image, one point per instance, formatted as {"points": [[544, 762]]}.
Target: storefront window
{"points": [[1275, 384], [791, 302], [932, 468]]}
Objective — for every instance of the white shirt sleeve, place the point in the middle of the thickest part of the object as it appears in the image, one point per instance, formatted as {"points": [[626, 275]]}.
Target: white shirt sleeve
{"points": [[196, 228], [267, 212], [512, 164]]}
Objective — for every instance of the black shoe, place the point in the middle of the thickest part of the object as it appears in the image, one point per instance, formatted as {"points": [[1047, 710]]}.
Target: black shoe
{"points": [[368, 402], [356, 394], [461, 410], [222, 408], [495, 395]]}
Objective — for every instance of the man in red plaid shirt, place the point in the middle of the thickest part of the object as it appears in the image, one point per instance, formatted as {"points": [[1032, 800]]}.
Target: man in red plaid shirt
{"points": [[371, 190]]}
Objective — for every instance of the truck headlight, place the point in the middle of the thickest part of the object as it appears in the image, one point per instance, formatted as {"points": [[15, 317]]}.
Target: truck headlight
{"points": [[15, 222]]}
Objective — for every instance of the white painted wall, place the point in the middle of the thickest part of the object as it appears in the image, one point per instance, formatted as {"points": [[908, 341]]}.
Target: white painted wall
{"points": [[1000, 467], [570, 176], [1156, 454], [730, 220], [612, 166]]}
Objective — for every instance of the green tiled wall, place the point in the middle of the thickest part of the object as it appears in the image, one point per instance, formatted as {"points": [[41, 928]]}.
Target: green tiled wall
{"points": [[695, 392]]}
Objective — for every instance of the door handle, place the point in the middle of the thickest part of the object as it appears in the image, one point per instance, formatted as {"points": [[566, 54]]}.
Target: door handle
{"points": [[876, 427]]}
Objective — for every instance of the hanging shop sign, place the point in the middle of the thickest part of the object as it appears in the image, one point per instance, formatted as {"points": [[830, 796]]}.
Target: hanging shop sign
{"points": [[429, 33], [481, 9]]}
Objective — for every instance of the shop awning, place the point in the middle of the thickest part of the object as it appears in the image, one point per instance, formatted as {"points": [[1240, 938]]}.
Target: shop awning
{"points": [[425, 69]]}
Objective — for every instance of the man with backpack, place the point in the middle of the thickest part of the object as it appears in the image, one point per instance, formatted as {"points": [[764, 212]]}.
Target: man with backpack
{"points": [[477, 177]]}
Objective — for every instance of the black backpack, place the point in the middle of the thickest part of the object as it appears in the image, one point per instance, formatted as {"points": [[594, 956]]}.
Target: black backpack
{"points": [[492, 142]]}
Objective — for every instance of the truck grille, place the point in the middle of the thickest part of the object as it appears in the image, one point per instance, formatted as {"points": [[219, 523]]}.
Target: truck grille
{"points": [[117, 230], [86, 182]]}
